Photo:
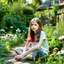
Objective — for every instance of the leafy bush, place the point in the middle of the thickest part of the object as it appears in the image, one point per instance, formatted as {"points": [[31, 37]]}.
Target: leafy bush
{"points": [[2, 60], [17, 41], [52, 36], [27, 15], [13, 20], [27, 19], [20, 10], [16, 8], [60, 28], [28, 10], [8, 41], [53, 58], [4, 49], [4, 9]]}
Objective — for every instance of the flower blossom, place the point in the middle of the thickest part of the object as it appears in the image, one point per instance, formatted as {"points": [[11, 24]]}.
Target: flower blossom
{"points": [[61, 37]]}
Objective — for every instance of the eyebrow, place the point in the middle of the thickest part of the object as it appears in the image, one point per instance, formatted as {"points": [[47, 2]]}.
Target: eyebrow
{"points": [[33, 23]]}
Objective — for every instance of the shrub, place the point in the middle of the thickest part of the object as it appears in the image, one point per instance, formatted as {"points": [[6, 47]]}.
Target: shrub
{"points": [[16, 9], [13, 20], [4, 9], [28, 10], [52, 36], [60, 28]]}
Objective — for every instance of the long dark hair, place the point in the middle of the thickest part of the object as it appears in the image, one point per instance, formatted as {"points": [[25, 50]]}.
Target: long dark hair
{"points": [[32, 34]]}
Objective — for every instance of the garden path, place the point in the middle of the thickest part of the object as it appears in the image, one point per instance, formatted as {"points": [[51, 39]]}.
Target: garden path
{"points": [[10, 58]]}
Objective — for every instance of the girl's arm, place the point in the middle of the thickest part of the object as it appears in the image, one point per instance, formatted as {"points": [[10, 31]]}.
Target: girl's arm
{"points": [[26, 46], [28, 38], [33, 48]]}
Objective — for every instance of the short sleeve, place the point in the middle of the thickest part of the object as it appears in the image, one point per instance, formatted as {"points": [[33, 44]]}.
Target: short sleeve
{"points": [[42, 35]]}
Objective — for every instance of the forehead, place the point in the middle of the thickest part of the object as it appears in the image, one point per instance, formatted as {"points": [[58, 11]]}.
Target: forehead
{"points": [[34, 22]]}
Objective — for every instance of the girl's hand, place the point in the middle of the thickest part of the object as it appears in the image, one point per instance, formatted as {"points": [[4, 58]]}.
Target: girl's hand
{"points": [[18, 57]]}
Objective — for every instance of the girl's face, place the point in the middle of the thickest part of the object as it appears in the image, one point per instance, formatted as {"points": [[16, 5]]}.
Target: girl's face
{"points": [[34, 26]]}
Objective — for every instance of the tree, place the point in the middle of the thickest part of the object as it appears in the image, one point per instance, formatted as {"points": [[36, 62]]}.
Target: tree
{"points": [[12, 1], [36, 3], [4, 1]]}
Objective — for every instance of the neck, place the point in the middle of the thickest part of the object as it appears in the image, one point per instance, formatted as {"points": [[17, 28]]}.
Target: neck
{"points": [[35, 33]]}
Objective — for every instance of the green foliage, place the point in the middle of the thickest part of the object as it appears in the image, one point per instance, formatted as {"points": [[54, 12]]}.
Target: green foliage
{"points": [[52, 36], [60, 28], [4, 9], [27, 19], [36, 3], [54, 43], [41, 60], [44, 13], [13, 20], [27, 10], [55, 9], [9, 12], [53, 58], [16, 8], [4, 48], [4, 1], [19, 40], [2, 60], [8, 41], [49, 14], [22, 2], [47, 11], [38, 14]]}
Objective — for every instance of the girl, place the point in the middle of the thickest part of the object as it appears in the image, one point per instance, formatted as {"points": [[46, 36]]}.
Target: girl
{"points": [[37, 39]]}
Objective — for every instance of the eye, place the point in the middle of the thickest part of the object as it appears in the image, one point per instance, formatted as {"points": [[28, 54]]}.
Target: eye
{"points": [[35, 24], [31, 24]]}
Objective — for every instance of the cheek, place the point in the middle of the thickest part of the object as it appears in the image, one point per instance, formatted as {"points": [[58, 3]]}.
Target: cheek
{"points": [[37, 27]]}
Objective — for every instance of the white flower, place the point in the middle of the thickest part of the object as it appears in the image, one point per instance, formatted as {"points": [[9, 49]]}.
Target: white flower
{"points": [[15, 37], [9, 35], [60, 52], [2, 30], [18, 30], [7, 42], [2, 37], [61, 37]]}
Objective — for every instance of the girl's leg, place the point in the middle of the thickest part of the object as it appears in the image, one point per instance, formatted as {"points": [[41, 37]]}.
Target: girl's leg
{"points": [[19, 50], [31, 56], [41, 53], [34, 54], [28, 57]]}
